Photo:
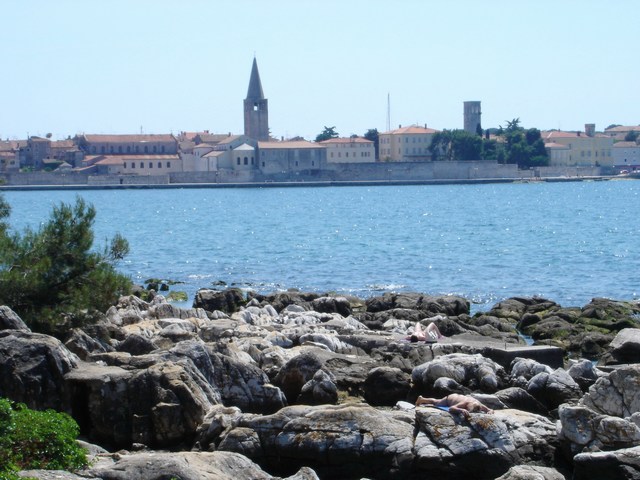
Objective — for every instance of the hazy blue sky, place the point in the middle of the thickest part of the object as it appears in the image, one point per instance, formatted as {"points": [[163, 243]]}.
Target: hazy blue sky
{"points": [[120, 66]]}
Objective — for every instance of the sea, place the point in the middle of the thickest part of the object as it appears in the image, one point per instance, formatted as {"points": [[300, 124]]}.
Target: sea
{"points": [[566, 241]]}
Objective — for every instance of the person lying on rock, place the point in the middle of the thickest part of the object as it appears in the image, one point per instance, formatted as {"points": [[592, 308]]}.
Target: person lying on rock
{"points": [[431, 333], [456, 403]]}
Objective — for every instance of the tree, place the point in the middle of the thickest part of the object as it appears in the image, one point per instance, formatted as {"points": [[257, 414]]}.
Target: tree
{"points": [[373, 135], [523, 147], [455, 145], [326, 134], [52, 278], [631, 136]]}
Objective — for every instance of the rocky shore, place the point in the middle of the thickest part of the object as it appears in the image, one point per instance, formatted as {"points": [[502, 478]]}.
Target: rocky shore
{"points": [[305, 386]]}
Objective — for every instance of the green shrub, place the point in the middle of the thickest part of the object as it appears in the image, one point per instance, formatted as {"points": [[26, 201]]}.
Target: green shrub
{"points": [[31, 439], [52, 277]]}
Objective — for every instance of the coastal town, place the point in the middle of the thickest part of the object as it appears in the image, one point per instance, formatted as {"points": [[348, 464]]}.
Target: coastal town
{"points": [[409, 152]]}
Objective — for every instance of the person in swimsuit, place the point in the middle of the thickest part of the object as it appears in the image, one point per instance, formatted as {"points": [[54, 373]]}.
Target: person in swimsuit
{"points": [[431, 333], [457, 404]]}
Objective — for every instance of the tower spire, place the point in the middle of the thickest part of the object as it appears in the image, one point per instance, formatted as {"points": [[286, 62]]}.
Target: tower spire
{"points": [[256, 108], [255, 85]]}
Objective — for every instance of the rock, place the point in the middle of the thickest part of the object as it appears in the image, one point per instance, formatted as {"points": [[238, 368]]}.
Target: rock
{"points": [[9, 320], [386, 386], [321, 389], [616, 394], [227, 301], [623, 464], [518, 398], [531, 472], [584, 373], [587, 430], [449, 305], [83, 345], [338, 305], [184, 465], [344, 441], [471, 371], [625, 347], [159, 406], [136, 345], [32, 369], [554, 389]]}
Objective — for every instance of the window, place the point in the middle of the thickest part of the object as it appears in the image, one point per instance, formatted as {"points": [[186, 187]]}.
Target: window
{"points": [[252, 161], [111, 149], [146, 149], [154, 149], [150, 164], [141, 164], [128, 148], [262, 164], [133, 164], [162, 149], [119, 148], [168, 164], [246, 160], [313, 163], [238, 160], [159, 164], [102, 149], [125, 164], [137, 149], [296, 163]]}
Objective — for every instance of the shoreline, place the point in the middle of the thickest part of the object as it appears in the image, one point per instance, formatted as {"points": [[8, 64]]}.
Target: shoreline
{"points": [[350, 183]]}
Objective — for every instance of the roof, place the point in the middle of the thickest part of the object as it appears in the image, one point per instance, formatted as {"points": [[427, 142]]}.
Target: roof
{"points": [[410, 130], [214, 153], [212, 138], [346, 140], [625, 145], [202, 145], [135, 138], [560, 134], [255, 86], [244, 148], [623, 129], [557, 146], [63, 144], [229, 139], [288, 145]]}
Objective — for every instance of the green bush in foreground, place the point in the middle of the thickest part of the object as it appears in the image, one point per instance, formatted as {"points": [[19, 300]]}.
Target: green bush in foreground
{"points": [[31, 439]]}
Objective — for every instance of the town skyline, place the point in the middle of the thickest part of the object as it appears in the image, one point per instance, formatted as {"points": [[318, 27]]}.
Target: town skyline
{"points": [[83, 69]]}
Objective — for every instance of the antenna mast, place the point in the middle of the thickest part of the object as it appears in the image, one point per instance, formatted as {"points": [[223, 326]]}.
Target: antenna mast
{"points": [[388, 112]]}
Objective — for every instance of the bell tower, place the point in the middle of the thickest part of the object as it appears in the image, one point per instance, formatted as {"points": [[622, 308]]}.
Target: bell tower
{"points": [[256, 108]]}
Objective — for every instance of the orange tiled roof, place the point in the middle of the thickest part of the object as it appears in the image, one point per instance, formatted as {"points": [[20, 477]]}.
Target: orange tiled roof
{"points": [[623, 129], [137, 138], [625, 145], [120, 159], [411, 129]]}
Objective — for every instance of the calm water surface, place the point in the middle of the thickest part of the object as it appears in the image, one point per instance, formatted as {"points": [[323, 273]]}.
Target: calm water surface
{"points": [[568, 242]]}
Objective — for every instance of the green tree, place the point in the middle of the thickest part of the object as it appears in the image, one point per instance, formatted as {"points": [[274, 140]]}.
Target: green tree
{"points": [[523, 147], [455, 145], [52, 278], [631, 136], [326, 134], [373, 136]]}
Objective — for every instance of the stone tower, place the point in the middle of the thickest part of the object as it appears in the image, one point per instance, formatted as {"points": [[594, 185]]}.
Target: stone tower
{"points": [[256, 108], [472, 115]]}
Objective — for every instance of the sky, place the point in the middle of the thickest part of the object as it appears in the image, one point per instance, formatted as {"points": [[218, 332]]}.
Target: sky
{"points": [[158, 66]]}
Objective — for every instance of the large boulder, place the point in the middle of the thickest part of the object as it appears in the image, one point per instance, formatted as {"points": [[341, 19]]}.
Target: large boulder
{"points": [[625, 347], [386, 386], [616, 394], [160, 405], [183, 465], [623, 464], [32, 369], [473, 372], [553, 389], [9, 320], [227, 301], [449, 305]]}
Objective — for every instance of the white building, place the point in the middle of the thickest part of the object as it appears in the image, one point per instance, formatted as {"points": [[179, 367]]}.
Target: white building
{"points": [[349, 150], [626, 156]]}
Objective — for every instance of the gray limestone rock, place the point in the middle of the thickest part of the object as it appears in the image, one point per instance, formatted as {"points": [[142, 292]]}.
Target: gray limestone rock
{"points": [[9, 320], [32, 369]]}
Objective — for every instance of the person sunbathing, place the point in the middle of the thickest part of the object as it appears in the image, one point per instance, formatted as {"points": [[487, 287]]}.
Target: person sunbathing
{"points": [[431, 333], [457, 403]]}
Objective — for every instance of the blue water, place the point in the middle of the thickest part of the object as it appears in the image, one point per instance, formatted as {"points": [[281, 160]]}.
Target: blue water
{"points": [[568, 242]]}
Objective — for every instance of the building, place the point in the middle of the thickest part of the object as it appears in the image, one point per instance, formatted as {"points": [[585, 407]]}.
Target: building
{"points": [[406, 144], [472, 117], [149, 164], [142, 144], [10, 155], [256, 108], [586, 148], [620, 132], [349, 150], [626, 156], [285, 159]]}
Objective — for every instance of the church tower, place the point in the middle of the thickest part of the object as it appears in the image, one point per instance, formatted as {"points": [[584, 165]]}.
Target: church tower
{"points": [[256, 108]]}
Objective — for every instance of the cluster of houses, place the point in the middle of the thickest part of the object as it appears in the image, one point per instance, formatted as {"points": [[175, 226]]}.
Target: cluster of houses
{"points": [[256, 151]]}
